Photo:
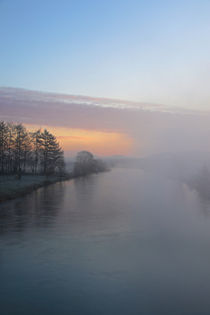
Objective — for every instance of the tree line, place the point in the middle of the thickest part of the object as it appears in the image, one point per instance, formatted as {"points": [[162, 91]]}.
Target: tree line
{"points": [[86, 164], [22, 151]]}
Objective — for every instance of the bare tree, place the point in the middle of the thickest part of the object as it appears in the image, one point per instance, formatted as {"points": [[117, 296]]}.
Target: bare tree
{"points": [[10, 147], [36, 150], [3, 145]]}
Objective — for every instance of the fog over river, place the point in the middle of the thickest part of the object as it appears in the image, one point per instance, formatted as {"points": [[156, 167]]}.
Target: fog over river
{"points": [[121, 242]]}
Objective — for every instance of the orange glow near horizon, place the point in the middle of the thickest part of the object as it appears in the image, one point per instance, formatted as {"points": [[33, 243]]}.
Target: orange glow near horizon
{"points": [[98, 142]]}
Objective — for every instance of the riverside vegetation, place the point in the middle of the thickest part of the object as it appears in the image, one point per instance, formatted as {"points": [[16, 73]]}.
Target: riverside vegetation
{"points": [[29, 160]]}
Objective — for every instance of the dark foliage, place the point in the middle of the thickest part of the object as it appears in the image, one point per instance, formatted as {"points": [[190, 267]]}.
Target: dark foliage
{"points": [[29, 152]]}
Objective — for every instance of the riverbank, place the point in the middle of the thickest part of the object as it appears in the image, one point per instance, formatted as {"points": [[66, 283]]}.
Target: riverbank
{"points": [[11, 188]]}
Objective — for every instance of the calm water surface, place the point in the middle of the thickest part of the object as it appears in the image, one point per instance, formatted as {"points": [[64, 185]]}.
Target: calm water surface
{"points": [[123, 242]]}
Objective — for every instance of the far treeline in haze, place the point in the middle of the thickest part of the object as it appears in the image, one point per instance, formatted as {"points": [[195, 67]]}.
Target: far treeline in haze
{"points": [[35, 152]]}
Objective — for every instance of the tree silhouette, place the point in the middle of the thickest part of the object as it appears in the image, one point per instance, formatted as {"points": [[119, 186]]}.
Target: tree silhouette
{"points": [[86, 164], [29, 152]]}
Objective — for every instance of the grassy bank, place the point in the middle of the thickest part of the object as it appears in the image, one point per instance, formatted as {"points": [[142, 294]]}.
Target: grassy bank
{"points": [[11, 188]]}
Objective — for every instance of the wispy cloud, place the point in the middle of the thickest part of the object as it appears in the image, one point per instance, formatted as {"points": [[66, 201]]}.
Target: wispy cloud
{"points": [[82, 124]]}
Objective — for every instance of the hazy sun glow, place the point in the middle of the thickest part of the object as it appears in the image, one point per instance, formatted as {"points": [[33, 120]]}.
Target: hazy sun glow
{"points": [[98, 142]]}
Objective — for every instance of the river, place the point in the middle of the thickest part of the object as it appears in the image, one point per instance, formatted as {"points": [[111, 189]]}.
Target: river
{"points": [[123, 242]]}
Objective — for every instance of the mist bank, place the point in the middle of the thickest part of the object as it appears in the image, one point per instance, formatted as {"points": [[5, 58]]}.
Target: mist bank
{"points": [[187, 168]]}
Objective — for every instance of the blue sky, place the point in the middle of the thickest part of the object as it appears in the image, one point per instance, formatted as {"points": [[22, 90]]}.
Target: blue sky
{"points": [[147, 51]]}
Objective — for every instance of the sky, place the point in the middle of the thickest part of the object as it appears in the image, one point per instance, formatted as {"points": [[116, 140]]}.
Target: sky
{"points": [[155, 53], [82, 123], [146, 51]]}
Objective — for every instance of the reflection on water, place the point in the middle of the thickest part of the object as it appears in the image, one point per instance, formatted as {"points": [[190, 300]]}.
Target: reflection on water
{"points": [[36, 209], [123, 242]]}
